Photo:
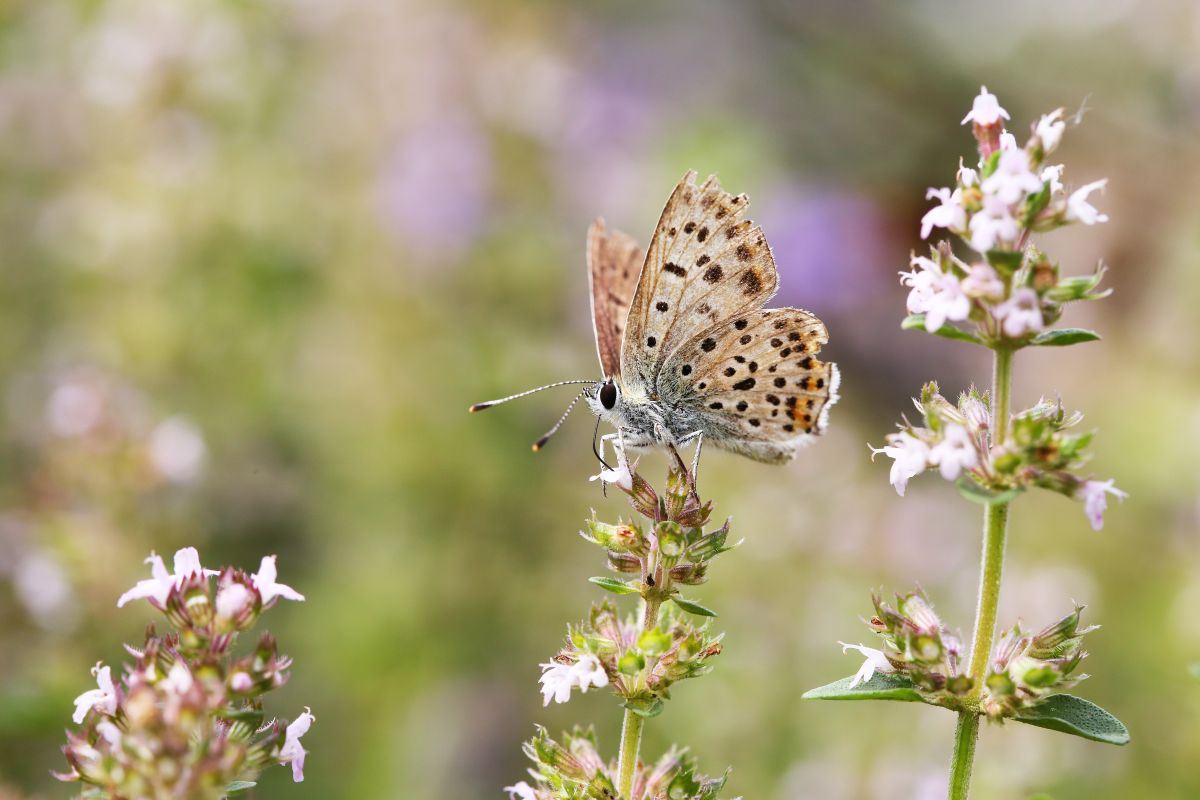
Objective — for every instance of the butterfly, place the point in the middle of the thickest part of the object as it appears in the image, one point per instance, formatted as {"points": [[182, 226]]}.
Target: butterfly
{"points": [[687, 349]]}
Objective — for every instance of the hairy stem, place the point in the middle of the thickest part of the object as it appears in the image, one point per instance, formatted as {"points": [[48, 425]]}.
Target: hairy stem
{"points": [[631, 725], [995, 532]]}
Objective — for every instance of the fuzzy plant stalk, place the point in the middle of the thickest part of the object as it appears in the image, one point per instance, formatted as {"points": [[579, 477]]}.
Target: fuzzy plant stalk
{"points": [[994, 288], [187, 718], [639, 655]]}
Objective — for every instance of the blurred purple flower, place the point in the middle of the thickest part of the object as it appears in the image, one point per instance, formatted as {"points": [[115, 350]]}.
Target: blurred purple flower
{"points": [[826, 244], [433, 188]]}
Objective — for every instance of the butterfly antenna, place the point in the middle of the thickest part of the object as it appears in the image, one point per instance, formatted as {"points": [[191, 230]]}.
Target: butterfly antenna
{"points": [[490, 403], [546, 436]]}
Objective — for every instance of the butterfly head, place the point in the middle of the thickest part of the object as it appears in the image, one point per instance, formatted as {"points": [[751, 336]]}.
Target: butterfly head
{"points": [[604, 398]]}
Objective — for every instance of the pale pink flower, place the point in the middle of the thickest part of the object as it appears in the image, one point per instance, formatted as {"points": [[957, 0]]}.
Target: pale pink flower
{"points": [[520, 791], [1021, 314], [103, 698], [232, 599], [159, 585], [911, 457], [264, 582], [936, 294], [1094, 495], [1078, 207], [292, 751], [1013, 178], [954, 453], [983, 283], [950, 214], [967, 177], [241, 681], [1050, 129], [994, 224], [875, 661], [985, 110]]}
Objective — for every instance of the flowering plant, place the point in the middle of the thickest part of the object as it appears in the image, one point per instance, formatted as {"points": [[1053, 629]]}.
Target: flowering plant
{"points": [[639, 656], [1001, 292], [187, 719]]}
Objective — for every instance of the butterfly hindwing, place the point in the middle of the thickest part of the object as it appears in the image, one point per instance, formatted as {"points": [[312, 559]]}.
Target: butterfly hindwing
{"points": [[705, 265], [614, 262], [756, 381]]}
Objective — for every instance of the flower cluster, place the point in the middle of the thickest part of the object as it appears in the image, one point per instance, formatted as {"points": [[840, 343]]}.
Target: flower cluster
{"points": [[575, 769], [640, 656], [1024, 670], [1039, 449], [1007, 292], [187, 719]]}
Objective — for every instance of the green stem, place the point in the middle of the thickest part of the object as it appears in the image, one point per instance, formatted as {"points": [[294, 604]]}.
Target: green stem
{"points": [[631, 725], [995, 532]]}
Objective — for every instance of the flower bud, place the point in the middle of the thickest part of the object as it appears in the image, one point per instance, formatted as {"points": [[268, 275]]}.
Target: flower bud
{"points": [[689, 574]]}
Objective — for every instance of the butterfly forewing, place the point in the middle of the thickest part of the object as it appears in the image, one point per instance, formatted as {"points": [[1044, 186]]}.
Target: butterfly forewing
{"points": [[757, 378], [614, 262], [705, 265]]}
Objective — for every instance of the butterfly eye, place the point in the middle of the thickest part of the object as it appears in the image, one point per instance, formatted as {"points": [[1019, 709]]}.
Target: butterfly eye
{"points": [[608, 395]]}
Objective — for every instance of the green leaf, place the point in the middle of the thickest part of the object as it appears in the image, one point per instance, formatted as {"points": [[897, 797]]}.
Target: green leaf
{"points": [[916, 322], [692, 607], [645, 708], [613, 585], [881, 687], [990, 165], [1064, 336], [1067, 713], [1005, 261], [239, 786], [979, 494]]}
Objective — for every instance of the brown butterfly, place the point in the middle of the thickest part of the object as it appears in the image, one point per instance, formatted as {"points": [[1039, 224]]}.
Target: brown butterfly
{"points": [[687, 349]]}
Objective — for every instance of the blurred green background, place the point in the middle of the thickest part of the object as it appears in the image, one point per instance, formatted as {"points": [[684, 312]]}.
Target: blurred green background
{"points": [[258, 257]]}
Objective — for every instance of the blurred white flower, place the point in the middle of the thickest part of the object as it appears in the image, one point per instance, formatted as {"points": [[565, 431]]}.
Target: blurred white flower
{"points": [[875, 661], [950, 214], [1013, 179], [177, 450], [985, 110], [558, 679], [179, 678], [159, 585], [110, 732], [1020, 314], [1053, 174], [232, 599], [992, 225], [241, 681], [264, 582], [103, 698], [911, 458], [1094, 495], [1078, 207], [967, 177], [520, 791], [954, 453], [1050, 129], [1008, 141], [936, 294], [983, 282], [292, 752], [44, 589], [75, 407]]}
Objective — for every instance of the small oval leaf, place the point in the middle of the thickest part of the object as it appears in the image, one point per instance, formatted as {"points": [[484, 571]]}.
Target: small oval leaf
{"points": [[1067, 713], [881, 687], [692, 607], [1061, 337], [916, 322], [239, 786], [978, 494], [613, 585]]}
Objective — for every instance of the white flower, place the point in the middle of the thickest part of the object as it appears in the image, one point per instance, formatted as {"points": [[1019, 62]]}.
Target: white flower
{"points": [[992, 225], [911, 458], [558, 679], [157, 587], [1078, 207], [1050, 129], [1008, 141], [177, 450], [1053, 174], [1012, 179], [1020, 314], [292, 752], [621, 476], [264, 581], [983, 282], [241, 681], [936, 294], [954, 453], [520, 791], [103, 698], [967, 177], [876, 661], [979, 418], [1094, 495], [110, 732], [985, 110], [232, 599], [179, 678], [950, 214]]}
